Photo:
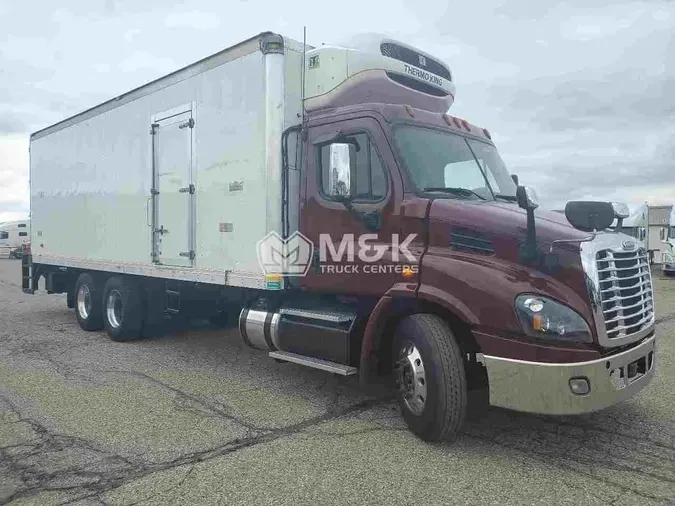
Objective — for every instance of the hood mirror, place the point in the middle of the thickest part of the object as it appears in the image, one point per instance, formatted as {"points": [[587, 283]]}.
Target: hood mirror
{"points": [[621, 212], [590, 216], [527, 198]]}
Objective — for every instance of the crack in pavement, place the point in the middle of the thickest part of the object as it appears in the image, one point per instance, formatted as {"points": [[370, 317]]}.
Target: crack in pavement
{"points": [[221, 411], [544, 444], [96, 483]]}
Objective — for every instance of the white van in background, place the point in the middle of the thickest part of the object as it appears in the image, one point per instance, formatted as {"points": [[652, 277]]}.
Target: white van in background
{"points": [[14, 238]]}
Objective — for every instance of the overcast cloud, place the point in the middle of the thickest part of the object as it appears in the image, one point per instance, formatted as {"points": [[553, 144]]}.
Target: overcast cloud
{"points": [[579, 95]]}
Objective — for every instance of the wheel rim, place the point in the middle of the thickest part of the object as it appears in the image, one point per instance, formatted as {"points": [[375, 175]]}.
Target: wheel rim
{"points": [[411, 379], [84, 301], [113, 309]]}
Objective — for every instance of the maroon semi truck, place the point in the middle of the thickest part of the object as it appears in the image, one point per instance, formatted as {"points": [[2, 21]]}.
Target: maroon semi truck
{"points": [[341, 219]]}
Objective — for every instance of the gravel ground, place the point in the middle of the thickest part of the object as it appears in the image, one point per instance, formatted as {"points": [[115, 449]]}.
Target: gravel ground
{"points": [[198, 418]]}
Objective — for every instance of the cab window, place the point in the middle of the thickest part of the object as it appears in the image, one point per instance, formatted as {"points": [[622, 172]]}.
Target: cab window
{"points": [[369, 183]]}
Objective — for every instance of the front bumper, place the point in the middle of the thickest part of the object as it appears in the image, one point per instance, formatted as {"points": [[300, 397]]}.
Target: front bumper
{"points": [[537, 387]]}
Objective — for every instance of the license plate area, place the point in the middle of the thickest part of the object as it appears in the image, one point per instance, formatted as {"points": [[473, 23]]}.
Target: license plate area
{"points": [[627, 374]]}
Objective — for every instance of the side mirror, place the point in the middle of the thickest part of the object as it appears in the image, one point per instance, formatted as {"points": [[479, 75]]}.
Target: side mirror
{"points": [[589, 216], [620, 210], [527, 198], [515, 179], [342, 159]]}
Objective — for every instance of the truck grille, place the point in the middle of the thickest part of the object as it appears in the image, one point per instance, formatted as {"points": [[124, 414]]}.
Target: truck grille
{"points": [[625, 289]]}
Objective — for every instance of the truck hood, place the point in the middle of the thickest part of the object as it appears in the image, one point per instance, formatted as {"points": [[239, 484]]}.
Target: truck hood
{"points": [[504, 219]]}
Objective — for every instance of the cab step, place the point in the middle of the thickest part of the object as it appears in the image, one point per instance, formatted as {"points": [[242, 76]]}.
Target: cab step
{"points": [[315, 363]]}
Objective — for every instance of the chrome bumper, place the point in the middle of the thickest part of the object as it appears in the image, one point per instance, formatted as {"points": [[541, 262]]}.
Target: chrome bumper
{"points": [[536, 387]]}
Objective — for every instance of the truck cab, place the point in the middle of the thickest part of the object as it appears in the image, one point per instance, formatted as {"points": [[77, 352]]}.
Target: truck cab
{"points": [[557, 310], [14, 238]]}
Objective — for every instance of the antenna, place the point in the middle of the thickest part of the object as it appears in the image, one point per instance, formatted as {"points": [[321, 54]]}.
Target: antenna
{"points": [[302, 73]]}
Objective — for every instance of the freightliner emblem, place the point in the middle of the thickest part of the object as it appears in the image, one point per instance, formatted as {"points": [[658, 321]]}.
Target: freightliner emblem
{"points": [[628, 245]]}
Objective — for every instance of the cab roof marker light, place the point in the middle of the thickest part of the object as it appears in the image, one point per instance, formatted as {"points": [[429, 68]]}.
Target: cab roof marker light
{"points": [[487, 134], [458, 124], [466, 125], [448, 119]]}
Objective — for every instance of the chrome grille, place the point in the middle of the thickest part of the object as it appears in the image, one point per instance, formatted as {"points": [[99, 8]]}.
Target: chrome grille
{"points": [[625, 290]]}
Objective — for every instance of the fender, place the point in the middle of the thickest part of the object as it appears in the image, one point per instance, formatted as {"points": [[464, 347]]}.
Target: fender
{"points": [[381, 311]]}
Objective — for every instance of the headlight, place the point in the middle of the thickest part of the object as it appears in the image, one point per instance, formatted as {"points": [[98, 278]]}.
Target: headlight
{"points": [[545, 318]]}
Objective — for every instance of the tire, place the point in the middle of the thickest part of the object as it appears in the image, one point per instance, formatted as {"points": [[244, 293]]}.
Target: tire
{"points": [[122, 308], [443, 386], [87, 302]]}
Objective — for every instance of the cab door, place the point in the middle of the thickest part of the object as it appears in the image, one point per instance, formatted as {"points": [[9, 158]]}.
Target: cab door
{"points": [[371, 216]]}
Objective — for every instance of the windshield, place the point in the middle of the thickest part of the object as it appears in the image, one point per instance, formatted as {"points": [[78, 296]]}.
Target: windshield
{"points": [[438, 160]]}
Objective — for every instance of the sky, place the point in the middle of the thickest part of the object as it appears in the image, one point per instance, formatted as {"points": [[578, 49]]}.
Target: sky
{"points": [[579, 95]]}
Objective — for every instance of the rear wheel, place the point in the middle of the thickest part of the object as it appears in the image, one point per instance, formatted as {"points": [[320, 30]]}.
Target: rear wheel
{"points": [[123, 308], [87, 295], [430, 377]]}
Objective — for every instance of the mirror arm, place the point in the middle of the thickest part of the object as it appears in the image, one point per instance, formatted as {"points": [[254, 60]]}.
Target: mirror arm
{"points": [[528, 250]]}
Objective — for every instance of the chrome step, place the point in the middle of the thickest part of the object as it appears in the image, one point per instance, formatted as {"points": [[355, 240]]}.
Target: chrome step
{"points": [[316, 363]]}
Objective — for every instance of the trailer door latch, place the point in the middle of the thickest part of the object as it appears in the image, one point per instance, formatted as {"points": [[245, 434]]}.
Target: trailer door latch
{"points": [[190, 254], [188, 189], [189, 123], [161, 230]]}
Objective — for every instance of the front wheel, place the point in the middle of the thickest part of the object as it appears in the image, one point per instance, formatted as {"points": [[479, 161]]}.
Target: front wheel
{"points": [[430, 377]]}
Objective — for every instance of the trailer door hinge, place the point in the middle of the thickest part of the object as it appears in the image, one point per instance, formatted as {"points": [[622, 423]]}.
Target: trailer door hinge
{"points": [[189, 123], [190, 254], [188, 189], [153, 128], [154, 191]]}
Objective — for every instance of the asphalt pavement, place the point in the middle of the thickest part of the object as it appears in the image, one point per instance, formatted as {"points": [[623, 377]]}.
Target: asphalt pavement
{"points": [[196, 417]]}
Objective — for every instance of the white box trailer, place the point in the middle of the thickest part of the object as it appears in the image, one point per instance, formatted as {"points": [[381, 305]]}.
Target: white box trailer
{"points": [[151, 182]]}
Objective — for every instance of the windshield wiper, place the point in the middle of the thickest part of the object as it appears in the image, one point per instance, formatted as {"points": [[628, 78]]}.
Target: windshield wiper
{"points": [[456, 191], [510, 198]]}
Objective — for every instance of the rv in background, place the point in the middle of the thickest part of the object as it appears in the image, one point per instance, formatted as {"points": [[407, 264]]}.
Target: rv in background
{"points": [[668, 258], [14, 238]]}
